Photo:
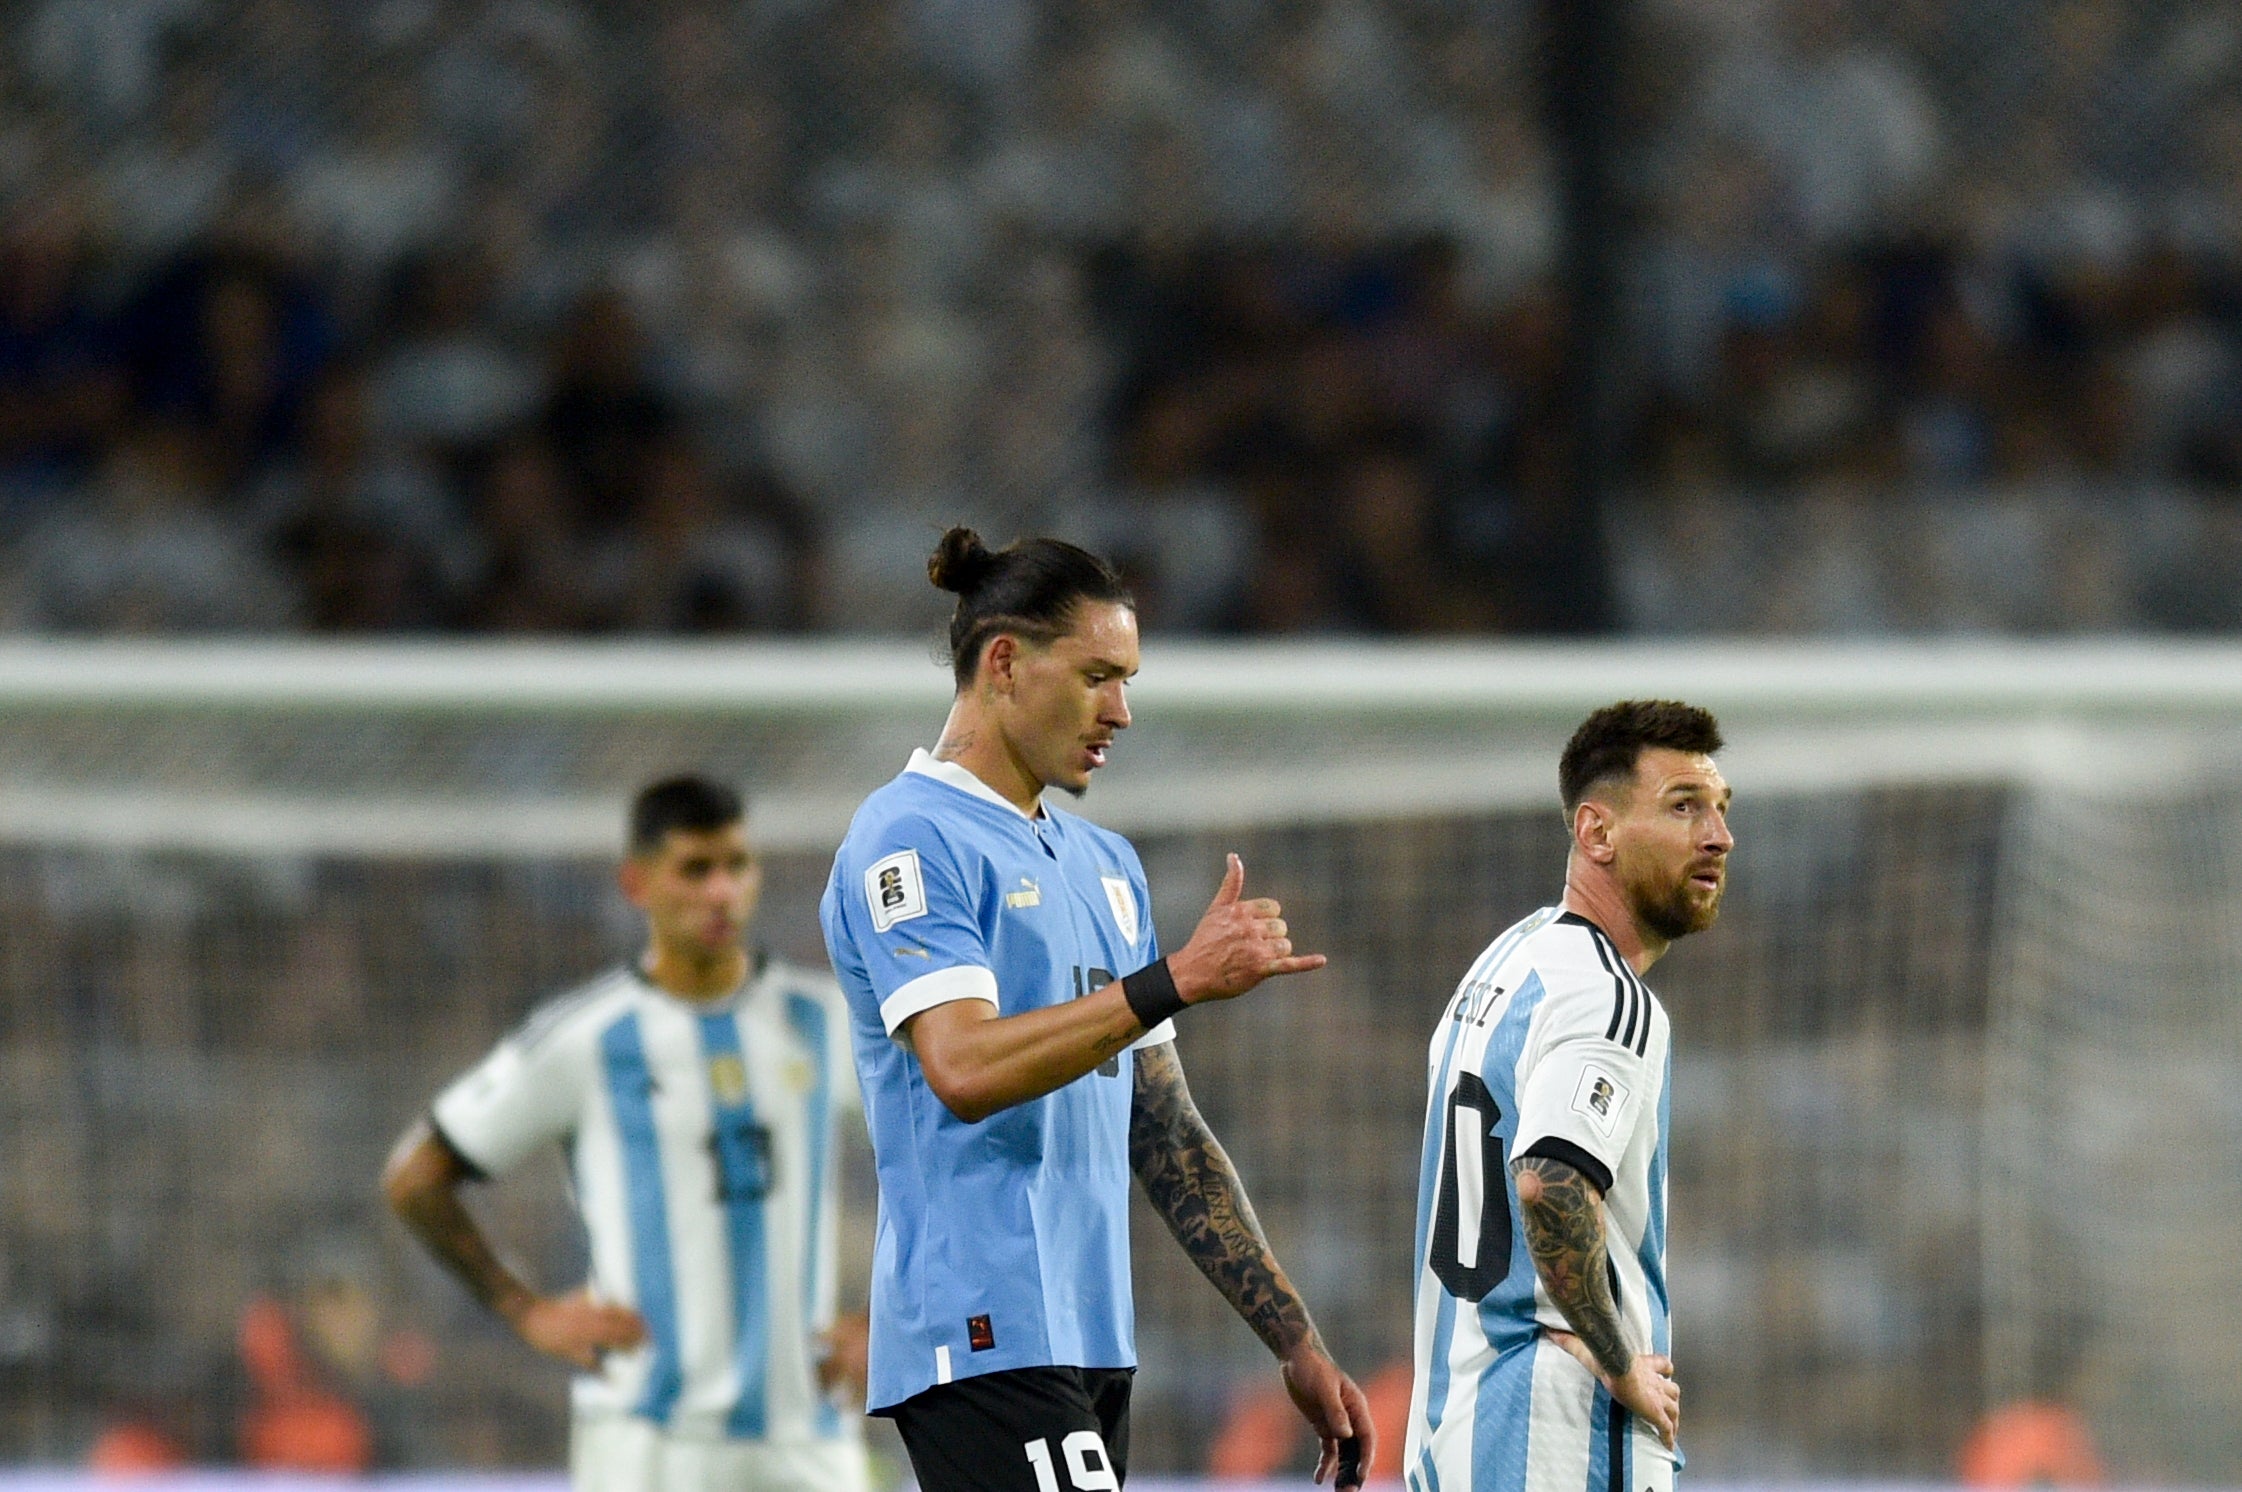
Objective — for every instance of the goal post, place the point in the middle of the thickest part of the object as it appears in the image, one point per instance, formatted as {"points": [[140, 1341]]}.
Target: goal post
{"points": [[1973, 995]]}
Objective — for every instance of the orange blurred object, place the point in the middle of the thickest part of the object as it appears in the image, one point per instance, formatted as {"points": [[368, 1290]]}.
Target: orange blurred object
{"points": [[1388, 1393], [135, 1449], [1257, 1435], [2031, 1444], [1263, 1431], [311, 1432], [295, 1425]]}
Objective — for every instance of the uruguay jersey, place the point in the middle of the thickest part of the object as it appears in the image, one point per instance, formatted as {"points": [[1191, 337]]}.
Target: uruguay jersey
{"points": [[1002, 1244], [1551, 1046], [700, 1144]]}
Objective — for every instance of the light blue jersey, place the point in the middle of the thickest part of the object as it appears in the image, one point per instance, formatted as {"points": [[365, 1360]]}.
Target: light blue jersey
{"points": [[1002, 1244], [1552, 1046]]}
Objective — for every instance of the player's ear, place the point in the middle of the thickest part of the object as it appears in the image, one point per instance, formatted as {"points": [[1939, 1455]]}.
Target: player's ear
{"points": [[1000, 656], [631, 875], [1592, 831]]}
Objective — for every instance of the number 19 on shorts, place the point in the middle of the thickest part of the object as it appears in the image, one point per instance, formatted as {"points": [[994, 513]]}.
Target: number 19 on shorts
{"points": [[1089, 1469]]}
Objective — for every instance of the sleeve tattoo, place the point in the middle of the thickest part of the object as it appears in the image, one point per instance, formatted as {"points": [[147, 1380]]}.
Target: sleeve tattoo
{"points": [[438, 1217], [1188, 1178], [1565, 1233]]}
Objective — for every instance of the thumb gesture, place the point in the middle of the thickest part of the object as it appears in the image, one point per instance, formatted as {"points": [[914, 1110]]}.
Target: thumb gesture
{"points": [[1233, 882], [1238, 944]]}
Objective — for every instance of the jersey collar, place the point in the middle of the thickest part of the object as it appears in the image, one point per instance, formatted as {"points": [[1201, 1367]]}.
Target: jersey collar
{"points": [[924, 763], [758, 966]]}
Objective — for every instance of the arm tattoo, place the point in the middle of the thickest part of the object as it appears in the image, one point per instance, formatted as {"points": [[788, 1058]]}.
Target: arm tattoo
{"points": [[1565, 1232], [441, 1221], [1190, 1182]]}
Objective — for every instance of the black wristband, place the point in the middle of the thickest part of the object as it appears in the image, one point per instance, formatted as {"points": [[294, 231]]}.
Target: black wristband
{"points": [[1151, 994]]}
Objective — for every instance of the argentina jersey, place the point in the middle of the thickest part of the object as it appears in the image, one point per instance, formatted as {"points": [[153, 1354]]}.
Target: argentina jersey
{"points": [[1551, 1046], [700, 1140], [1004, 1243]]}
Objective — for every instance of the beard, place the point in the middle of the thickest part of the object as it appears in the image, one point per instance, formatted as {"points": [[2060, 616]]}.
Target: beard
{"points": [[1669, 907]]}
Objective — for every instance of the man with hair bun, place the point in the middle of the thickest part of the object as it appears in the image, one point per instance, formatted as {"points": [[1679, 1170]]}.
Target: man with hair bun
{"points": [[1015, 1042], [1547, 1125]]}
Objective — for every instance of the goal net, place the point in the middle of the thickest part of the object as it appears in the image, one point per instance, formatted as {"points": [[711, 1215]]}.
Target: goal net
{"points": [[1954, 1104]]}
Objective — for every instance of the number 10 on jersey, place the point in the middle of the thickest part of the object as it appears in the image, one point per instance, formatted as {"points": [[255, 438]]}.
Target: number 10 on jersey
{"points": [[1471, 1230]]}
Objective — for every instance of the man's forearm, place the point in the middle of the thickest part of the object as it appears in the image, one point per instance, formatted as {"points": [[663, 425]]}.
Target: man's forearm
{"points": [[980, 1063], [421, 1184], [1564, 1225], [1190, 1182]]}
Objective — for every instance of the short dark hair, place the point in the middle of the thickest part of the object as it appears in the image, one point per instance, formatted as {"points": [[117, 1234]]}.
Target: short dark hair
{"points": [[1030, 586], [693, 803], [1611, 741]]}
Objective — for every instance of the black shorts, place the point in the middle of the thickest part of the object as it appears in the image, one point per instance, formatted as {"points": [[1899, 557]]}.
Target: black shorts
{"points": [[1024, 1430]]}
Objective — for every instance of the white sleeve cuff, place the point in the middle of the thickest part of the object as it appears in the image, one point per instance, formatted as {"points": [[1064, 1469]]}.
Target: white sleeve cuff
{"points": [[1164, 1032], [964, 982]]}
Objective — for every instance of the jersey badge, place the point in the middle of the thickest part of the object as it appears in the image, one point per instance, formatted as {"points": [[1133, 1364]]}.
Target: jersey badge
{"points": [[1123, 899], [1029, 895], [895, 890], [1600, 1099], [727, 1078]]}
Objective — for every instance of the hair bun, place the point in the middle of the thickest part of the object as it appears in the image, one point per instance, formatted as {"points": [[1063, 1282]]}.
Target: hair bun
{"points": [[960, 562]]}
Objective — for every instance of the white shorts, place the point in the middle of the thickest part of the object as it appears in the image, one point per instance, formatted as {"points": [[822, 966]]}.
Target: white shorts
{"points": [[627, 1454]]}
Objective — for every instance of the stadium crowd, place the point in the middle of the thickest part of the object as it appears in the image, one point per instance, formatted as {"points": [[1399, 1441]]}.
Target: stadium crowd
{"points": [[551, 316]]}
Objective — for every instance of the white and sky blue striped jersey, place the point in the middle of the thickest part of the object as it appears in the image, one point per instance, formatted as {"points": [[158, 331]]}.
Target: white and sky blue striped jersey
{"points": [[1553, 1046], [1002, 1244], [700, 1140]]}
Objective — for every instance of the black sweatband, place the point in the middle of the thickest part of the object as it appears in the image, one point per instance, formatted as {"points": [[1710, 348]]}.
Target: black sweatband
{"points": [[1151, 994]]}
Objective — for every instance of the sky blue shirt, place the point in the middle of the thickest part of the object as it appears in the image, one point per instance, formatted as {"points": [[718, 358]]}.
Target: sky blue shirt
{"points": [[1002, 1244]]}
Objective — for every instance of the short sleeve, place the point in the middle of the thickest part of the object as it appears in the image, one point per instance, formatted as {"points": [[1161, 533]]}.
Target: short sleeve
{"points": [[1582, 1097], [925, 945], [520, 1097]]}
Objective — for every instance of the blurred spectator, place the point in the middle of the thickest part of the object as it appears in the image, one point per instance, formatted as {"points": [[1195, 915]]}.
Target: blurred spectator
{"points": [[2031, 1444], [228, 340], [386, 186], [135, 1447], [330, 1388], [147, 551], [164, 187], [102, 55], [449, 383], [696, 562], [62, 384], [532, 575], [604, 419], [1159, 276], [368, 530]]}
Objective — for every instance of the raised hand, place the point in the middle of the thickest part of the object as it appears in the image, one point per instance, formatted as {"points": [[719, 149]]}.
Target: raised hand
{"points": [[576, 1328], [1237, 944]]}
